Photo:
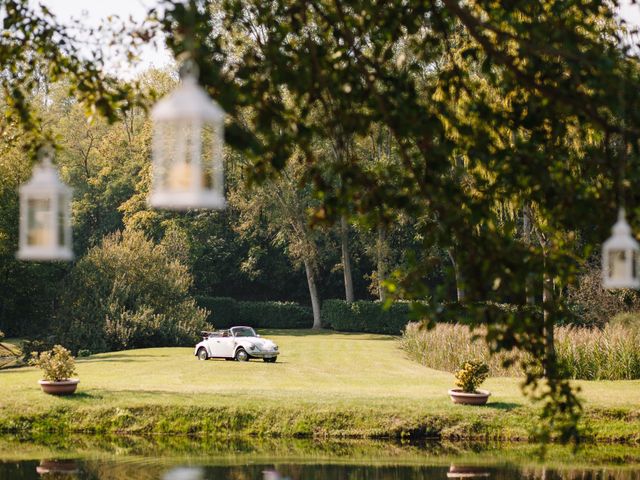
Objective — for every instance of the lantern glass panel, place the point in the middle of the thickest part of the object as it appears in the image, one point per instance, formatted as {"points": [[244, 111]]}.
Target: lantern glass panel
{"points": [[177, 156], [63, 220], [618, 264], [211, 156], [39, 227], [165, 153]]}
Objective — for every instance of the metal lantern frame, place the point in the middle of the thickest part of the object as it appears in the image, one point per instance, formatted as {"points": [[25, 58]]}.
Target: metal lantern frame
{"points": [[187, 150], [45, 216], [620, 257]]}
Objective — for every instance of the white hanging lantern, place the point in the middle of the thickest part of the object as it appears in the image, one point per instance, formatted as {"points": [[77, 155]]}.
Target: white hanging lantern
{"points": [[45, 215], [188, 142], [620, 257]]}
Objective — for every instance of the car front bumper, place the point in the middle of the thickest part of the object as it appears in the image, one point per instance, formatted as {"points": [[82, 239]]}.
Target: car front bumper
{"points": [[263, 353]]}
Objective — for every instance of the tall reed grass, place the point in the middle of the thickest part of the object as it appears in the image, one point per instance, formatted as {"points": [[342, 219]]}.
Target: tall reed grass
{"points": [[612, 353]]}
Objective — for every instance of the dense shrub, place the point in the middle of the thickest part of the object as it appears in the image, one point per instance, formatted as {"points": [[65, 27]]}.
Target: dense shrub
{"points": [[364, 316], [227, 312], [37, 346], [583, 353], [592, 305], [223, 311], [128, 293], [276, 314]]}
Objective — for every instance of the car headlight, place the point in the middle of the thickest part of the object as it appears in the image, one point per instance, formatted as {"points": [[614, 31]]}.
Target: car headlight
{"points": [[253, 347], [275, 347]]}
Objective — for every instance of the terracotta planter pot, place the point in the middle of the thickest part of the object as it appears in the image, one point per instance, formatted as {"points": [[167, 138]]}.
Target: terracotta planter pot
{"points": [[480, 397], [63, 387]]}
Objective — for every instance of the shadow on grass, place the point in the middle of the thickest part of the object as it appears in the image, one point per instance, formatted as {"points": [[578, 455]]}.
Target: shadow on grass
{"points": [[506, 406], [304, 332], [128, 355], [79, 396], [253, 360], [120, 357], [324, 332]]}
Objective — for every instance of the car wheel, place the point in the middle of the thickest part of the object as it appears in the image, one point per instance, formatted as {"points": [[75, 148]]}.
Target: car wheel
{"points": [[202, 354], [270, 360], [242, 355]]}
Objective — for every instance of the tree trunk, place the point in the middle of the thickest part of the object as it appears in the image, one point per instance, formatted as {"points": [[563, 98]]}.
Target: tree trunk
{"points": [[382, 262], [526, 235], [460, 293], [313, 293], [346, 259], [549, 317]]}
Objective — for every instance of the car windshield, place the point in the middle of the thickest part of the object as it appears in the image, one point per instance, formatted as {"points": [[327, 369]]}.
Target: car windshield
{"points": [[244, 332]]}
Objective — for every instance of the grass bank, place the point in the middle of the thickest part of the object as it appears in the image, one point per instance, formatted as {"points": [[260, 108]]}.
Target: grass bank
{"points": [[325, 384]]}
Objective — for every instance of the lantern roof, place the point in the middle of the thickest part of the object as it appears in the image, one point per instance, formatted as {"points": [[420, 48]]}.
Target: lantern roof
{"points": [[187, 101], [45, 178], [621, 238]]}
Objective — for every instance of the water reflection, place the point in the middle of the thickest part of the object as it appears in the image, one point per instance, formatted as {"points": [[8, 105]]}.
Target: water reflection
{"points": [[60, 467], [273, 475], [123, 469], [467, 471], [184, 458], [184, 473]]}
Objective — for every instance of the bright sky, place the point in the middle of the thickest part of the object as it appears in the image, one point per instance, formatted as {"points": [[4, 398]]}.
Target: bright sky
{"points": [[93, 11], [631, 13]]}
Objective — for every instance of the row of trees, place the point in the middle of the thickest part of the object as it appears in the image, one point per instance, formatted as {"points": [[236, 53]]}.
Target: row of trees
{"points": [[261, 248]]}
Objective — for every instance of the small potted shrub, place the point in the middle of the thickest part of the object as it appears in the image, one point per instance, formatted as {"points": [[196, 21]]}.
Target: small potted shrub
{"points": [[57, 366], [468, 379]]}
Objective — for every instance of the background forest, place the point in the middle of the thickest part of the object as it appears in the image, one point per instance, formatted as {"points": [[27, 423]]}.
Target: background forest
{"points": [[139, 266], [260, 248]]}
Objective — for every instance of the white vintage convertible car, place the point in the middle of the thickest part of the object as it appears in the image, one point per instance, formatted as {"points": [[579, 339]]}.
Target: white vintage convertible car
{"points": [[237, 343]]}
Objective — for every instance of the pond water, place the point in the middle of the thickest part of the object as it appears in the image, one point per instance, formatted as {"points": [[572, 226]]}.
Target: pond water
{"points": [[122, 469], [203, 459]]}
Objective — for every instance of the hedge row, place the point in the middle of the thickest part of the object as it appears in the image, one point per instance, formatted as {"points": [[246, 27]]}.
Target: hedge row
{"points": [[365, 316], [360, 316], [226, 312], [372, 317]]}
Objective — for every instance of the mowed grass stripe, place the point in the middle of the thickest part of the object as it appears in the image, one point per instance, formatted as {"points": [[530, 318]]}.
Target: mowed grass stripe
{"points": [[357, 365]]}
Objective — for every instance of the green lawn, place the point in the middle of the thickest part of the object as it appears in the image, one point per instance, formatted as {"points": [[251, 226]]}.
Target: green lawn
{"points": [[324, 383]]}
